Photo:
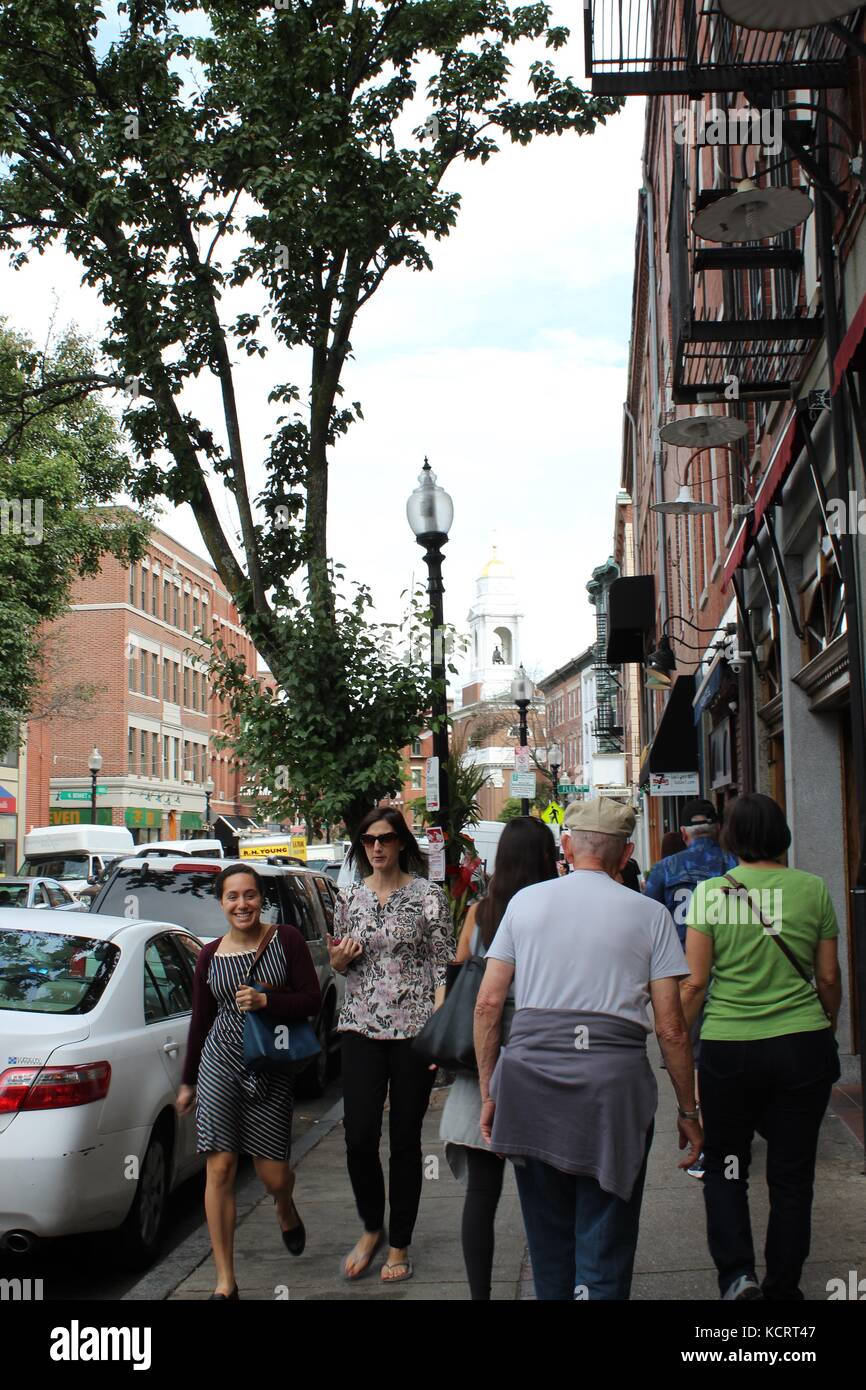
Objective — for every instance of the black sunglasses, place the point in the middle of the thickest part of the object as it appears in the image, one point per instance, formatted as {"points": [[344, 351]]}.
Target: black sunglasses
{"points": [[387, 839]]}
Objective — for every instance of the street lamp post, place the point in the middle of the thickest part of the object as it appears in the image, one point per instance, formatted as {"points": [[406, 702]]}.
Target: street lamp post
{"points": [[430, 512], [94, 763], [208, 793], [521, 694]]}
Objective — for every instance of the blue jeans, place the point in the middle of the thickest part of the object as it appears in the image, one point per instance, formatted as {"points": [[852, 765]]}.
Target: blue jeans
{"points": [[581, 1238]]}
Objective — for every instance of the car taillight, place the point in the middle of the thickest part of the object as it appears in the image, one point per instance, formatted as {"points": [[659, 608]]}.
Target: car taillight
{"points": [[53, 1088]]}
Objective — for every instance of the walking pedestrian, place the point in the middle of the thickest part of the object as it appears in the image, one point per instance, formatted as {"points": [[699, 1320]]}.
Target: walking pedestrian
{"points": [[394, 940], [237, 1110], [673, 880], [672, 843], [768, 1054], [526, 854], [572, 1098]]}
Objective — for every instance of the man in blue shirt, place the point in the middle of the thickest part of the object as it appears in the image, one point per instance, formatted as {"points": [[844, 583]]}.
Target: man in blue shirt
{"points": [[673, 880]]}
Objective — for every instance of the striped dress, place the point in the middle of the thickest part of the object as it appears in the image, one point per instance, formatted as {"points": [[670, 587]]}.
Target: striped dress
{"points": [[239, 1111]]}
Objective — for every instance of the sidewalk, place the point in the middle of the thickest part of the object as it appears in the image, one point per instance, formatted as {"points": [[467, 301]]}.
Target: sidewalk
{"points": [[672, 1258]]}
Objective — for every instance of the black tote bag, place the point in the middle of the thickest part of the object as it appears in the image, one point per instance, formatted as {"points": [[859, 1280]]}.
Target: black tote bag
{"points": [[447, 1036]]}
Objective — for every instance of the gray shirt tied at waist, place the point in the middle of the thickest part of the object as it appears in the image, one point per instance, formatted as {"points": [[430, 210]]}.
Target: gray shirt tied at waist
{"points": [[575, 1090]]}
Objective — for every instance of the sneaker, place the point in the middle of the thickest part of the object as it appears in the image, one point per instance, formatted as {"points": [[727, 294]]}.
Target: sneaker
{"points": [[697, 1168], [745, 1287]]}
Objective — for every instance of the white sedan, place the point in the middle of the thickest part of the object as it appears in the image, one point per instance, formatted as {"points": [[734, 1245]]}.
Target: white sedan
{"points": [[94, 1019]]}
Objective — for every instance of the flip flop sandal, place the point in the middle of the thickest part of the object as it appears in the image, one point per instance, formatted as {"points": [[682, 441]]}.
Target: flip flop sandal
{"points": [[399, 1278], [359, 1274]]}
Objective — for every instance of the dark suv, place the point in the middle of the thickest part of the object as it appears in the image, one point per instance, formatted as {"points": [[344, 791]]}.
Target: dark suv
{"points": [[171, 888]]}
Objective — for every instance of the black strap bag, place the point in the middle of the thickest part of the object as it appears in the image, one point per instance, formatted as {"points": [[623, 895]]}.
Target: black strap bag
{"points": [[742, 892], [447, 1036]]}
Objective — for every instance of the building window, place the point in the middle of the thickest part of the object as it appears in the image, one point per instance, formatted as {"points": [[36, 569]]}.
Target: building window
{"points": [[154, 676], [416, 779], [143, 673], [132, 585], [143, 753], [186, 611], [175, 682], [131, 751], [145, 584], [175, 766], [416, 748], [154, 592], [203, 693], [175, 602], [166, 758], [154, 755], [132, 681], [165, 608], [165, 666], [186, 674]]}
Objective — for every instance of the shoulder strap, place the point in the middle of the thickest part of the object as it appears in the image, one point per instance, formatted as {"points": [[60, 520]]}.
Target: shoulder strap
{"points": [[261, 951], [740, 890]]}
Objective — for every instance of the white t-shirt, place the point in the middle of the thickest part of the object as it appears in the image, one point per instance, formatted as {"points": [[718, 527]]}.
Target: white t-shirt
{"points": [[585, 942]]}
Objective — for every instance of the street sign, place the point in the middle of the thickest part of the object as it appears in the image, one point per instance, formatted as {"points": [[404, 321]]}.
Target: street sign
{"points": [[553, 814], [431, 783], [569, 789], [521, 760], [523, 785], [675, 784], [79, 794]]}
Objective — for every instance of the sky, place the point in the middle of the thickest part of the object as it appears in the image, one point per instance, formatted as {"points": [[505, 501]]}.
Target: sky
{"points": [[506, 366]]}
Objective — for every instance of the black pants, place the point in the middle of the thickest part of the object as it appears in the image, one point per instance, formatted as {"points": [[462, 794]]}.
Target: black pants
{"points": [[485, 1173], [372, 1068], [779, 1087]]}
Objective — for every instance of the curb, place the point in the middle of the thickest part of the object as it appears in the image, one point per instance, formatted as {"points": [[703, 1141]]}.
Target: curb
{"points": [[161, 1281]]}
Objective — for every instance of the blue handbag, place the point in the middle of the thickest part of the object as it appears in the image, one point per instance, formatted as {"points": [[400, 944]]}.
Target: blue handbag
{"points": [[279, 1045]]}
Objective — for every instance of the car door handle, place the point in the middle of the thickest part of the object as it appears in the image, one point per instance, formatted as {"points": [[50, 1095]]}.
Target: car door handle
{"points": [[170, 1047]]}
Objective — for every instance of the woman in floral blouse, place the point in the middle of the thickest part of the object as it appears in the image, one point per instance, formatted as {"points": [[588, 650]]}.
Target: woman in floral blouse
{"points": [[394, 939]]}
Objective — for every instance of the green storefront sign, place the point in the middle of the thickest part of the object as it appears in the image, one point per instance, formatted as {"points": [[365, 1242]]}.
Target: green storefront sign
{"points": [[58, 816], [191, 820], [138, 817]]}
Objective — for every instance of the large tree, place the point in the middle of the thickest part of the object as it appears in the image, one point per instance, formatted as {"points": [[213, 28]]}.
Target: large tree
{"points": [[59, 466], [233, 175]]}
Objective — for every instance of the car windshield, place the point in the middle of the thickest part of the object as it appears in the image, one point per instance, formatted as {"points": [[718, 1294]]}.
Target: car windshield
{"points": [[184, 898], [13, 894], [56, 866], [47, 973]]}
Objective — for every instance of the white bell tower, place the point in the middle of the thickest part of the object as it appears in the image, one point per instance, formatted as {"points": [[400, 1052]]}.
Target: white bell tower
{"points": [[494, 630]]}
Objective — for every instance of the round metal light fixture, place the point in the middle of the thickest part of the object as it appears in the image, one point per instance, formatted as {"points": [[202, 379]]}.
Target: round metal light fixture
{"points": [[753, 214], [684, 505], [785, 15], [429, 509], [703, 430]]}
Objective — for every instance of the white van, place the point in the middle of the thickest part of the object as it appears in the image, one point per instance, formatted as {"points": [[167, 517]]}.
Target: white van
{"points": [[73, 853], [199, 849]]}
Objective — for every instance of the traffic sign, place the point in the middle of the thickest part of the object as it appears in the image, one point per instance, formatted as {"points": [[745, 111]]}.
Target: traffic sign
{"points": [[569, 789], [553, 813]]}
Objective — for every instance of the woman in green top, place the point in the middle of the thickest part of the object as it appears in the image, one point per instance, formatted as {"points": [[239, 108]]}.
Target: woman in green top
{"points": [[768, 1053]]}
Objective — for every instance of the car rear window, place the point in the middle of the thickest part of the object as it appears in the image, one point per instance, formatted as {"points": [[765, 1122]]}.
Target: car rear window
{"points": [[184, 897], [48, 973], [55, 866]]}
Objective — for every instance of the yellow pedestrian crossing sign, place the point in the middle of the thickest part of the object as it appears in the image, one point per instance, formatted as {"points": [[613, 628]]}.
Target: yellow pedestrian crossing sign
{"points": [[553, 814]]}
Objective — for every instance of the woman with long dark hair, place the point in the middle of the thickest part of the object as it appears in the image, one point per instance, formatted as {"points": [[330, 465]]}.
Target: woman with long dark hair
{"points": [[239, 1111], [768, 1057], [393, 941], [526, 854]]}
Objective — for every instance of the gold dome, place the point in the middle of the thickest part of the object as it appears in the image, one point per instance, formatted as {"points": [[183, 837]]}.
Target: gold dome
{"points": [[495, 567]]}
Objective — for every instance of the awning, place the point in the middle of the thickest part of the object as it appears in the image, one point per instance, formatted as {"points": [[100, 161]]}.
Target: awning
{"points": [[851, 351], [773, 481], [225, 829], [7, 801], [630, 618], [675, 746]]}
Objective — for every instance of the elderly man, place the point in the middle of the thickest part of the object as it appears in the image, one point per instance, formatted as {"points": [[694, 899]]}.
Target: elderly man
{"points": [[572, 1097], [673, 880]]}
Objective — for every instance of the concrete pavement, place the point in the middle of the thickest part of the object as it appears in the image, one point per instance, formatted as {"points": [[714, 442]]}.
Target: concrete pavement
{"points": [[672, 1259]]}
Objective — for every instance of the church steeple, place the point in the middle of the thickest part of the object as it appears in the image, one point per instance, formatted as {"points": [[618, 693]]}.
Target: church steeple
{"points": [[494, 628]]}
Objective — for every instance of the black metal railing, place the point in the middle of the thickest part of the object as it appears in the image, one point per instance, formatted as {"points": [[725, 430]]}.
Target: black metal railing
{"points": [[641, 47]]}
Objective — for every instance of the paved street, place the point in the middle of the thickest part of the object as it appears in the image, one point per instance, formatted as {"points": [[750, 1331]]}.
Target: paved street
{"points": [[672, 1260]]}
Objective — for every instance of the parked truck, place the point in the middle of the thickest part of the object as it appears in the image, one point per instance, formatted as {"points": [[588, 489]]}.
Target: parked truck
{"points": [[73, 853]]}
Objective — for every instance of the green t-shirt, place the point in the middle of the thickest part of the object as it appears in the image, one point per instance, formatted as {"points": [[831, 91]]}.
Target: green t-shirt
{"points": [[756, 992]]}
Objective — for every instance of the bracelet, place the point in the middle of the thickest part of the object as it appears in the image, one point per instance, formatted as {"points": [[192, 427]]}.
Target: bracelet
{"points": [[689, 1114]]}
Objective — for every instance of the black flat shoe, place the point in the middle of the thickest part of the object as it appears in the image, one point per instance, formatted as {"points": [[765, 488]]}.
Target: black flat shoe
{"points": [[233, 1297], [296, 1239]]}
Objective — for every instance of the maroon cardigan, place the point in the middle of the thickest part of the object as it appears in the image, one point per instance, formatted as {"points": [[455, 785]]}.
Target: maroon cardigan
{"points": [[302, 1000]]}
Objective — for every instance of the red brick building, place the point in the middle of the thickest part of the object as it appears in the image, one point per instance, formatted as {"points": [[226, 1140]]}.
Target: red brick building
{"points": [[129, 634]]}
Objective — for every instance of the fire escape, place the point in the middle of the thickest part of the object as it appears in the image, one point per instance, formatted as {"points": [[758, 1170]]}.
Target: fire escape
{"points": [[607, 728]]}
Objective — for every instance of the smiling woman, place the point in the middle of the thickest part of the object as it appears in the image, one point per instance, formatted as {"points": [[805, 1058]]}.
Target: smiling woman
{"points": [[239, 1111]]}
